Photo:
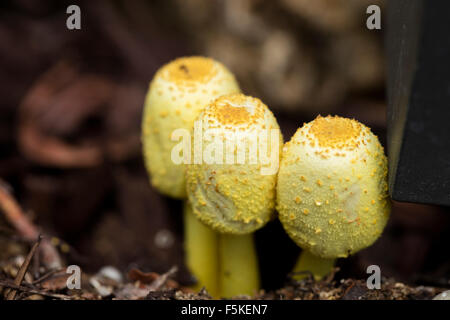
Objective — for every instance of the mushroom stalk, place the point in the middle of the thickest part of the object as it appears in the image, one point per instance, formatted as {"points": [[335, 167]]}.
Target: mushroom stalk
{"points": [[317, 266], [201, 245], [238, 265]]}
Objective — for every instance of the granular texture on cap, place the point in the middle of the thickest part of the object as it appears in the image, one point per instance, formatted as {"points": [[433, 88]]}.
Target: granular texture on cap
{"points": [[235, 197], [332, 193], [190, 71], [179, 91]]}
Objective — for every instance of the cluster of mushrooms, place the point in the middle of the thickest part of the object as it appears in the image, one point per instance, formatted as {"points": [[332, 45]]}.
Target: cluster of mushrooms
{"points": [[330, 190]]}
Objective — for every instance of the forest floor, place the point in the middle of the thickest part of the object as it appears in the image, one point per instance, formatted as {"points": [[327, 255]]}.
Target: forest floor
{"points": [[26, 277]]}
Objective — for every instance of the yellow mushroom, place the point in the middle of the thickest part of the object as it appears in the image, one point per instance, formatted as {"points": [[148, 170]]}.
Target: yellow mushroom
{"points": [[177, 94], [340, 170], [232, 190]]}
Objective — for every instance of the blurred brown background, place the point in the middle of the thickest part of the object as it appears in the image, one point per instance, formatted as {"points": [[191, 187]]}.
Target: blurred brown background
{"points": [[71, 105]]}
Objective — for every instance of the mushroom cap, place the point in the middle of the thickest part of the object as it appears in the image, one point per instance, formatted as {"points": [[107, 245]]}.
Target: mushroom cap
{"points": [[332, 192], [177, 94], [238, 196]]}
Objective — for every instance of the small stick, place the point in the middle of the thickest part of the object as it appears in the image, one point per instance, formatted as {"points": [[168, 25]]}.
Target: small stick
{"points": [[15, 215], [13, 286], [23, 269], [331, 275], [46, 276], [36, 265], [159, 282]]}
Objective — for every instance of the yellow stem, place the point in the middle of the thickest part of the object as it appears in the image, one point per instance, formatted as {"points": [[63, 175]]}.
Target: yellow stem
{"points": [[201, 250], [319, 267], [239, 273]]}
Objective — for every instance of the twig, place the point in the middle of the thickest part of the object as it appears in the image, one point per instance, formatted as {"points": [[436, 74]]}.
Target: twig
{"points": [[46, 276], [23, 269], [159, 282], [331, 275], [13, 286], [36, 266], [349, 288], [15, 215]]}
